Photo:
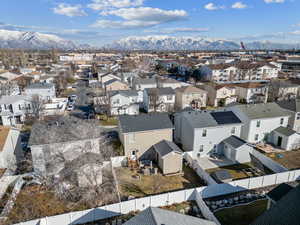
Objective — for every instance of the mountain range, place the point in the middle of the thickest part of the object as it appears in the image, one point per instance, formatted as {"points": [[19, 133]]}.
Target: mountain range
{"points": [[34, 40], [191, 43]]}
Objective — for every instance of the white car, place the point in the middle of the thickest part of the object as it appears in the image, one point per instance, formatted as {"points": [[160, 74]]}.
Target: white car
{"points": [[70, 107]]}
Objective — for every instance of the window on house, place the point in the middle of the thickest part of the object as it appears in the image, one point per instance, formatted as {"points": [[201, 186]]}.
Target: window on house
{"points": [[133, 153], [233, 130], [169, 97], [201, 148], [204, 133], [258, 123], [298, 116], [281, 121], [256, 137], [19, 107]]}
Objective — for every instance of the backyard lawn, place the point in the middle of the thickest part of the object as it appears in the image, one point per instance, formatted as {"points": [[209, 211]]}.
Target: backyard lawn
{"points": [[243, 214], [108, 121], [130, 185], [236, 170], [289, 159]]}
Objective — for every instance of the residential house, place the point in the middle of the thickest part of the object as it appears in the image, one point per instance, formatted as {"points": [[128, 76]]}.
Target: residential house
{"points": [[144, 83], [8, 77], [260, 120], [64, 147], [293, 107], [239, 71], [10, 148], [159, 99], [169, 82], [252, 92], [125, 102], [157, 216], [283, 90], [168, 157], [139, 133], [190, 96], [115, 85], [285, 138], [277, 193], [201, 132], [220, 95], [45, 91], [103, 78], [14, 108]]}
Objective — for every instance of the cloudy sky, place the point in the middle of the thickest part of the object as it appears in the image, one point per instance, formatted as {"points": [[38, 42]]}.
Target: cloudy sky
{"points": [[98, 22]]}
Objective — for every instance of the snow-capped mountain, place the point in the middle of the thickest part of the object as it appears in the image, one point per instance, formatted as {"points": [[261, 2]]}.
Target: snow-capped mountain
{"points": [[33, 40], [189, 43]]}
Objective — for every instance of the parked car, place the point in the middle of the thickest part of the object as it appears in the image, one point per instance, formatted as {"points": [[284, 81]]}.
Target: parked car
{"points": [[70, 107]]}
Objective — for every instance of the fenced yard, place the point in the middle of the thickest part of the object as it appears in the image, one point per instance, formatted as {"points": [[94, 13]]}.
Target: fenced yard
{"points": [[134, 184], [288, 159], [240, 171], [242, 214]]}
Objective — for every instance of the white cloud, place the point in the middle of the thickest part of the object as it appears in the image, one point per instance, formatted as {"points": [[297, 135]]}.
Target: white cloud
{"points": [[274, 1], [178, 30], [296, 32], [69, 10], [140, 17], [239, 5], [111, 4], [212, 6]]}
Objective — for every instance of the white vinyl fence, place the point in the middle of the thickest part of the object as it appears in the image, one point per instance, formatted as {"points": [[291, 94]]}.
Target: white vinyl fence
{"points": [[200, 172]]}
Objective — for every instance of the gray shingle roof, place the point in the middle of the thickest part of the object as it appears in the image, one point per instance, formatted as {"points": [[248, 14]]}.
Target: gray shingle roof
{"points": [[157, 216], [202, 119], [63, 129], [127, 93], [10, 99], [235, 141], [40, 86], [160, 91], [144, 122], [285, 212], [292, 105], [286, 131], [165, 147], [281, 190], [258, 111]]}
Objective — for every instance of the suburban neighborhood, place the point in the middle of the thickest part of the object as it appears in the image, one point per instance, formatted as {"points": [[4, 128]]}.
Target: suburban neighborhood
{"points": [[93, 138]]}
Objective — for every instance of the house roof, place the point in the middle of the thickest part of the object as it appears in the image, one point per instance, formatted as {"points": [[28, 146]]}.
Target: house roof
{"points": [[4, 131], [63, 129], [251, 85], [292, 105], [157, 216], [160, 91], [144, 122], [286, 211], [190, 89], [235, 141], [281, 190], [263, 110], [10, 99], [40, 86], [165, 147], [127, 93], [202, 119], [286, 131]]}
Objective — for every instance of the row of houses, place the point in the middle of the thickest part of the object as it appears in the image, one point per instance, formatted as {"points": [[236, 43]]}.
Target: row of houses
{"points": [[232, 132]]}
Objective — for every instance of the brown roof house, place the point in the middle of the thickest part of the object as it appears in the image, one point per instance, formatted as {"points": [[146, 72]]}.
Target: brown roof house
{"points": [[139, 133], [190, 96], [10, 148]]}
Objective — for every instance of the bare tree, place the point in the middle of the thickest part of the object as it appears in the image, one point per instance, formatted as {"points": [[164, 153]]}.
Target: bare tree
{"points": [[36, 107]]}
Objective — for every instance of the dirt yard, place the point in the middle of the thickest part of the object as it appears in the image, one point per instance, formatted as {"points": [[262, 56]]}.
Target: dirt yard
{"points": [[289, 159], [129, 185]]}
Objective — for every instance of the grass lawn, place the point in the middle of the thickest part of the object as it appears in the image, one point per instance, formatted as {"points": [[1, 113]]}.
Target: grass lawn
{"points": [[108, 121], [289, 159], [154, 184], [242, 215], [235, 170]]}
